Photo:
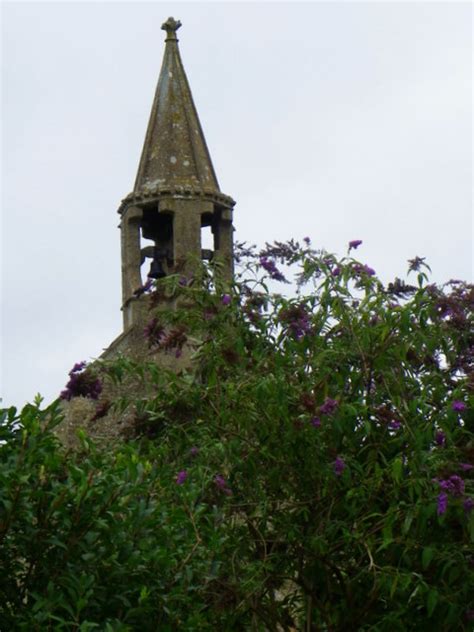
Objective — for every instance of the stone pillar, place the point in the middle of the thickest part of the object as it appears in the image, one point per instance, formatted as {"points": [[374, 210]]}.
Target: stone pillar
{"points": [[131, 260], [225, 242], [186, 231]]}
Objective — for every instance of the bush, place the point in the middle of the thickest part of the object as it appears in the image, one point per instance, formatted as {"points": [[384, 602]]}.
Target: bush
{"points": [[312, 471]]}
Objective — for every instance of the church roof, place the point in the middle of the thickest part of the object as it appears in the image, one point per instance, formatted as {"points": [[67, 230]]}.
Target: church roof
{"points": [[175, 157]]}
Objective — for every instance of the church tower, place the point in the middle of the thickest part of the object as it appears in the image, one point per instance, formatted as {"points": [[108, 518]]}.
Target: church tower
{"points": [[176, 193]]}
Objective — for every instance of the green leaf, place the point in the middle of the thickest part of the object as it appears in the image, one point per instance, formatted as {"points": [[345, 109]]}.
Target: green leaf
{"points": [[431, 601], [397, 469], [427, 556], [407, 522]]}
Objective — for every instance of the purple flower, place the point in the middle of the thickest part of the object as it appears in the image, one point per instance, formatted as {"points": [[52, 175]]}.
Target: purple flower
{"points": [[222, 484], [181, 477], [316, 422], [442, 503], [359, 269], [354, 244], [307, 240], [454, 485], [269, 266], [394, 424], [225, 300], [194, 451], [339, 466], [79, 366], [298, 320], [336, 271], [468, 504], [440, 438], [81, 383], [328, 407], [458, 406], [466, 467]]}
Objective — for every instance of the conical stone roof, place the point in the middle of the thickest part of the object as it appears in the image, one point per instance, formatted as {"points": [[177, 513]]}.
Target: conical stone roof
{"points": [[175, 158]]}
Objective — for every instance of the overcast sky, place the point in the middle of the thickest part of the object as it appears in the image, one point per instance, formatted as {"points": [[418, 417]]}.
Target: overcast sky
{"points": [[333, 120]]}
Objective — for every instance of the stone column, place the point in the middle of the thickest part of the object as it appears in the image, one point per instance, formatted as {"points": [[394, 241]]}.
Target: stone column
{"points": [[131, 259], [186, 231], [225, 242]]}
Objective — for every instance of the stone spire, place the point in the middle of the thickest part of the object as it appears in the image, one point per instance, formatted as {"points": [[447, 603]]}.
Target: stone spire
{"points": [[175, 151], [176, 192], [175, 157]]}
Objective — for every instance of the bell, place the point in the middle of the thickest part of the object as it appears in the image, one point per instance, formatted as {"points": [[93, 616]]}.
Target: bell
{"points": [[156, 270]]}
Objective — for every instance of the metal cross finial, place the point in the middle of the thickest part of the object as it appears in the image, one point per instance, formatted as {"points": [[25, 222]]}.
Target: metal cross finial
{"points": [[171, 26]]}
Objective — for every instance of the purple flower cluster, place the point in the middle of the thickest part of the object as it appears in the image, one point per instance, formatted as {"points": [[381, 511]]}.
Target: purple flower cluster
{"points": [[394, 424], [440, 438], [297, 319], [363, 269], [79, 366], [328, 407], [316, 422], [226, 299], [456, 306], [452, 486], [354, 244], [221, 484], [269, 266], [181, 477], [339, 466], [416, 263], [468, 504], [442, 503], [458, 406], [81, 383]]}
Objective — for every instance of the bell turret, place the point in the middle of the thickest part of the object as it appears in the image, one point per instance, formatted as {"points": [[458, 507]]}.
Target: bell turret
{"points": [[176, 192]]}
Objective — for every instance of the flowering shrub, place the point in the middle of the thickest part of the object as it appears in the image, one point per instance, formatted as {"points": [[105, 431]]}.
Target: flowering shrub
{"points": [[82, 382], [313, 470]]}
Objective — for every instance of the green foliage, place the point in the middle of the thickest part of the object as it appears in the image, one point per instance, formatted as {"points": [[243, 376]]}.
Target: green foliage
{"points": [[313, 470]]}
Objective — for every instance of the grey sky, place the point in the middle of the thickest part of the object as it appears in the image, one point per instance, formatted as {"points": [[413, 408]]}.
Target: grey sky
{"points": [[333, 120]]}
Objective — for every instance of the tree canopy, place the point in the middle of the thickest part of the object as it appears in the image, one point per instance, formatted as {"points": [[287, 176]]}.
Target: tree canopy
{"points": [[313, 469]]}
